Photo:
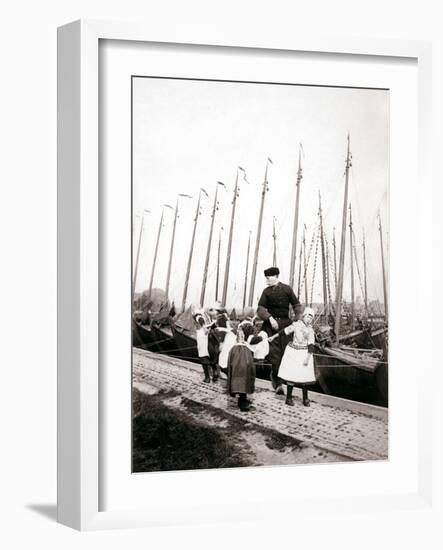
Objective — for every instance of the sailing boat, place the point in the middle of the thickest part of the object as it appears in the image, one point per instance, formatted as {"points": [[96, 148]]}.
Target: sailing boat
{"points": [[142, 333], [183, 327], [150, 322], [343, 369], [161, 325], [369, 336]]}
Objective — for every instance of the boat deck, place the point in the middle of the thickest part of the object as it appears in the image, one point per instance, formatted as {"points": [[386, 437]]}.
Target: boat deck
{"points": [[353, 430]]}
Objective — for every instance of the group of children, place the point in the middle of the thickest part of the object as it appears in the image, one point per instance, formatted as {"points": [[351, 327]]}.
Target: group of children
{"points": [[237, 352]]}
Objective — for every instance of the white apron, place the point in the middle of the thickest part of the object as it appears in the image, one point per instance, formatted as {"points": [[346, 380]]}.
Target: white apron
{"points": [[261, 349], [292, 368], [225, 347]]}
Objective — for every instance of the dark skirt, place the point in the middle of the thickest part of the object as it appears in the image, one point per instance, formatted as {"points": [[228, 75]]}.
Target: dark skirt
{"points": [[277, 347], [241, 370]]}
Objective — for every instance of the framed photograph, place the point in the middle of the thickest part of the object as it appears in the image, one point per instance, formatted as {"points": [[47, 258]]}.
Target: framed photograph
{"points": [[232, 276]]}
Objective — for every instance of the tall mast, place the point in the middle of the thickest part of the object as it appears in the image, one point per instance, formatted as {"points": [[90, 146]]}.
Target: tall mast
{"points": [[342, 246], [171, 251], [138, 249], [351, 245], [218, 264], [323, 259], [208, 250], [257, 241], [365, 276], [305, 267], [231, 232], [191, 252], [247, 269], [385, 292], [299, 264], [154, 261], [295, 228], [328, 278], [274, 237], [335, 260]]}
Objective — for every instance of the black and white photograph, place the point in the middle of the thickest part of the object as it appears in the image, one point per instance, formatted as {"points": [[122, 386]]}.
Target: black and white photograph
{"points": [[228, 217], [260, 274]]}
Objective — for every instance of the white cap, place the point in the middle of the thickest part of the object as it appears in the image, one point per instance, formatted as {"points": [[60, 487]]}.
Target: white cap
{"points": [[308, 311]]}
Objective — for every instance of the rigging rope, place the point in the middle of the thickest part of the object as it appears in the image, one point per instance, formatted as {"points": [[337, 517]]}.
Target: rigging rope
{"points": [[309, 256], [315, 265], [358, 268], [328, 282]]}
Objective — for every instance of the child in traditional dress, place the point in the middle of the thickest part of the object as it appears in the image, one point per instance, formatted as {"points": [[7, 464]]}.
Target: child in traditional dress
{"points": [[202, 333], [207, 345], [261, 349], [297, 365], [241, 367], [227, 339]]}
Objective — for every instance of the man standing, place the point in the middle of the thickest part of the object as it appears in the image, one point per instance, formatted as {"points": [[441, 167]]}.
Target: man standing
{"points": [[273, 309]]}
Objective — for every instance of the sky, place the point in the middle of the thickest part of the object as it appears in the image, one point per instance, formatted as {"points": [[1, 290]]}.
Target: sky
{"points": [[189, 134]]}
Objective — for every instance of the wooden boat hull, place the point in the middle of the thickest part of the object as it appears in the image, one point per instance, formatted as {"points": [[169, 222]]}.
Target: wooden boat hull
{"points": [[377, 338], [165, 340], [263, 370], [186, 343], [144, 337], [334, 376], [366, 338], [339, 375], [155, 338]]}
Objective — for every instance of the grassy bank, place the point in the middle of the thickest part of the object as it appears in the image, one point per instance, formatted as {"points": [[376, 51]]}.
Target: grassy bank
{"points": [[168, 439]]}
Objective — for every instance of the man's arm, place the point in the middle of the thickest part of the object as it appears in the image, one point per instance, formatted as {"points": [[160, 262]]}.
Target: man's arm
{"points": [[295, 303], [263, 313], [262, 310]]}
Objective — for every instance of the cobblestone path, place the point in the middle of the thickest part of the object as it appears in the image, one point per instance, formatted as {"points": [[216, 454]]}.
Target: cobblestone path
{"points": [[356, 435]]}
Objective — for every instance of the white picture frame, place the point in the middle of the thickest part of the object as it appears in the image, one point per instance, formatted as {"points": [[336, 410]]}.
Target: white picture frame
{"points": [[79, 412]]}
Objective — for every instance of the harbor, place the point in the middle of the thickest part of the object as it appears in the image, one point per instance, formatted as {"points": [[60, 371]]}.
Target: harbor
{"points": [[351, 355], [339, 429], [260, 273]]}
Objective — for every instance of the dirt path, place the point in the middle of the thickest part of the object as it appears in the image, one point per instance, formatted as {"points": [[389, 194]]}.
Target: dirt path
{"points": [[257, 446], [336, 433]]}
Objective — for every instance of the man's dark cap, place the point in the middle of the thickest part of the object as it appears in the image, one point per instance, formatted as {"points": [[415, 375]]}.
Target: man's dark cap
{"points": [[271, 271]]}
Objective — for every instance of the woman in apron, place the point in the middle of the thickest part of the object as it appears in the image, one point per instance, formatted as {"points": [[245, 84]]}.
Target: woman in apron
{"points": [[297, 365]]}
